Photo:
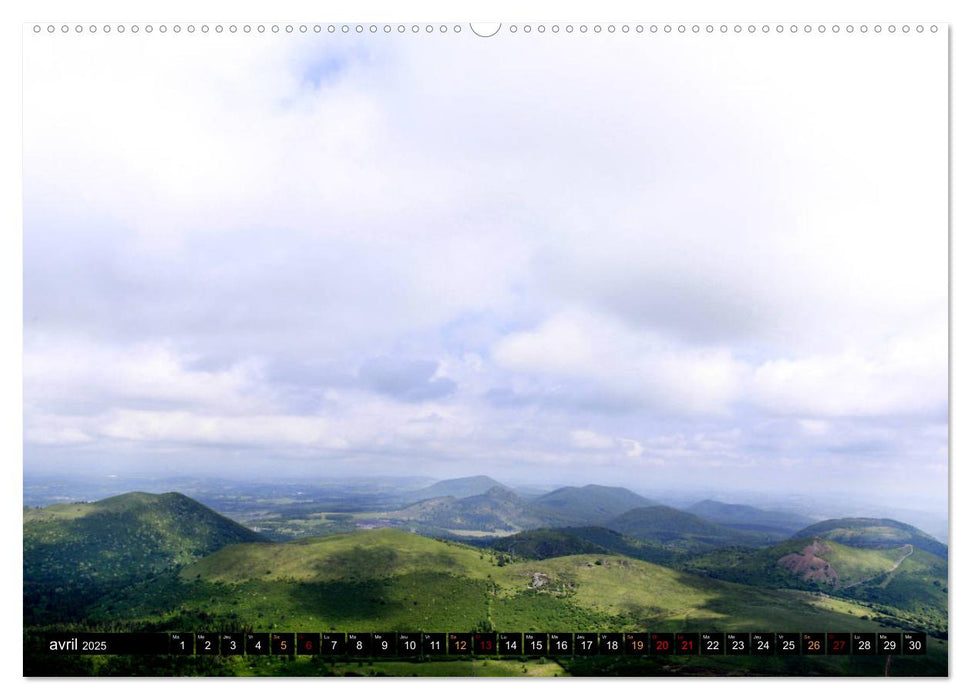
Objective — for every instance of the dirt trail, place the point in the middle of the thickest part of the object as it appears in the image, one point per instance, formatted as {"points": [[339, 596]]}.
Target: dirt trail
{"points": [[910, 551]]}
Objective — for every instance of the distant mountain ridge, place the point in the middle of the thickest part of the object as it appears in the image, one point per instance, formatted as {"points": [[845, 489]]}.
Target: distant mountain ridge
{"points": [[590, 504], [495, 508], [498, 509], [456, 488], [680, 529], [749, 517]]}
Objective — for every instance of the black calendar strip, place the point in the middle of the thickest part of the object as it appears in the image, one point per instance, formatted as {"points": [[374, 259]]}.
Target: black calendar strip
{"points": [[426, 645]]}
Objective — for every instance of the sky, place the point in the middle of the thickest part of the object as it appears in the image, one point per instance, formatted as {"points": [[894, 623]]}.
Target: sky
{"points": [[651, 261]]}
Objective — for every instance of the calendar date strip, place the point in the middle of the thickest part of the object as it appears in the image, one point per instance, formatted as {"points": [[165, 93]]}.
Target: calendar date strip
{"points": [[430, 645]]}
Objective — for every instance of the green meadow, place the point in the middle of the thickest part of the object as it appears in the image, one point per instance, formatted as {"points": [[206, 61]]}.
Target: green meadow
{"points": [[219, 577]]}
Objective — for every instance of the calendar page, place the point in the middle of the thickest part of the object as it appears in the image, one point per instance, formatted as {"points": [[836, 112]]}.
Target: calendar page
{"points": [[535, 349]]}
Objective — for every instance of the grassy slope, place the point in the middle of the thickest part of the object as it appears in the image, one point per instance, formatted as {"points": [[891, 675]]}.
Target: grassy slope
{"points": [[387, 579], [74, 552], [362, 554], [873, 532], [619, 543], [762, 567], [390, 580], [916, 591], [547, 543], [544, 544], [918, 587], [170, 525]]}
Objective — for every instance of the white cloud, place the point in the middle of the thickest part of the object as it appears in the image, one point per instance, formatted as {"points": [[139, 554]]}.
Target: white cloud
{"points": [[814, 428], [183, 427], [60, 372], [47, 432], [632, 448], [907, 375], [563, 344], [592, 441], [637, 366], [589, 440], [904, 375]]}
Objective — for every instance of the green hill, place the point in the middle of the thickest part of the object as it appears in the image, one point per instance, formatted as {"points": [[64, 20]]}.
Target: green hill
{"points": [[809, 563], [874, 532], [591, 504], [618, 543], [455, 488], [74, 553], [388, 579], [496, 510], [548, 543], [774, 523], [545, 544], [681, 530], [900, 581]]}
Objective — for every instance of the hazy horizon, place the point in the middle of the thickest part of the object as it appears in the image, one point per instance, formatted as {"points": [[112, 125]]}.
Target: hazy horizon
{"points": [[535, 259], [836, 504]]}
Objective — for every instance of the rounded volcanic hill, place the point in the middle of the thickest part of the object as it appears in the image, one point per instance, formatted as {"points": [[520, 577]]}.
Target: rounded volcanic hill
{"points": [[873, 533]]}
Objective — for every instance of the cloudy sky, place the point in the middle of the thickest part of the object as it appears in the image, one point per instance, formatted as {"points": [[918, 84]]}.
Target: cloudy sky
{"points": [[637, 260]]}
